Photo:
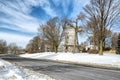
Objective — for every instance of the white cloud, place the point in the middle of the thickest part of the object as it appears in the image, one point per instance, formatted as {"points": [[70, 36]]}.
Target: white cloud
{"points": [[78, 7], [25, 22], [44, 4], [18, 14], [65, 5], [20, 40]]}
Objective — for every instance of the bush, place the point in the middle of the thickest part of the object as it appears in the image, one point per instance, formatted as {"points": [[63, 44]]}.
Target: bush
{"points": [[107, 49], [118, 50], [93, 51], [84, 50], [118, 45]]}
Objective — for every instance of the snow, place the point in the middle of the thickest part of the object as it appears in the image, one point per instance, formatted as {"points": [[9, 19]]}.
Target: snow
{"points": [[81, 58], [9, 71]]}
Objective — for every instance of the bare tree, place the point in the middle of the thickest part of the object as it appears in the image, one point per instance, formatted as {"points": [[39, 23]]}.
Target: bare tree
{"points": [[29, 47], [102, 14], [14, 48], [52, 33], [35, 45], [114, 38], [3, 47], [93, 30]]}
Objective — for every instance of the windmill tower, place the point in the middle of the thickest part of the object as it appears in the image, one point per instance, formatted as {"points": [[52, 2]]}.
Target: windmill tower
{"points": [[69, 39], [71, 36]]}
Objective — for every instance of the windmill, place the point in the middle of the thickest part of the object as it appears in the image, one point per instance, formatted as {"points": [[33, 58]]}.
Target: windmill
{"points": [[71, 31]]}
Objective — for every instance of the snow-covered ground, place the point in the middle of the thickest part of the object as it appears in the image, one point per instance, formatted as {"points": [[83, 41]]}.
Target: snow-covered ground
{"points": [[109, 60], [9, 71]]}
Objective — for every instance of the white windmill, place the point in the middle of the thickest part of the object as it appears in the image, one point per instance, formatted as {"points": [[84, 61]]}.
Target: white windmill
{"points": [[71, 37]]}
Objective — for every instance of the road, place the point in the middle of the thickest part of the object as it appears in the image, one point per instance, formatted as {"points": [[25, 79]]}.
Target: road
{"points": [[61, 71]]}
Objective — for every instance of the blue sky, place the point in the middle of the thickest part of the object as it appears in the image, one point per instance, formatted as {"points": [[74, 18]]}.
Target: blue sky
{"points": [[19, 19]]}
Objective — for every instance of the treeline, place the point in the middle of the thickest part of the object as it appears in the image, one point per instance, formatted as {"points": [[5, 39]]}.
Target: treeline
{"points": [[11, 48]]}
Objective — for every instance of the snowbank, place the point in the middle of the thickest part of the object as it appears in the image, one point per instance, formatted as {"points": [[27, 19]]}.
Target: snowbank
{"points": [[112, 60], [10, 72]]}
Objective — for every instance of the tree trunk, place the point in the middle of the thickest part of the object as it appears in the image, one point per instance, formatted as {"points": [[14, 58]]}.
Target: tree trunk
{"points": [[56, 49], [101, 47]]}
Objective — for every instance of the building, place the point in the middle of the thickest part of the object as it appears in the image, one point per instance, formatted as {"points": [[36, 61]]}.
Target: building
{"points": [[70, 41]]}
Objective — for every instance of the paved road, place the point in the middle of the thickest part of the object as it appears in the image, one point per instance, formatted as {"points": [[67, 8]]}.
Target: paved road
{"points": [[61, 71]]}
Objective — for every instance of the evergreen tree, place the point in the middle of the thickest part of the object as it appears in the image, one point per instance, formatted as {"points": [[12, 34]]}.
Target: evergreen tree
{"points": [[118, 46]]}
